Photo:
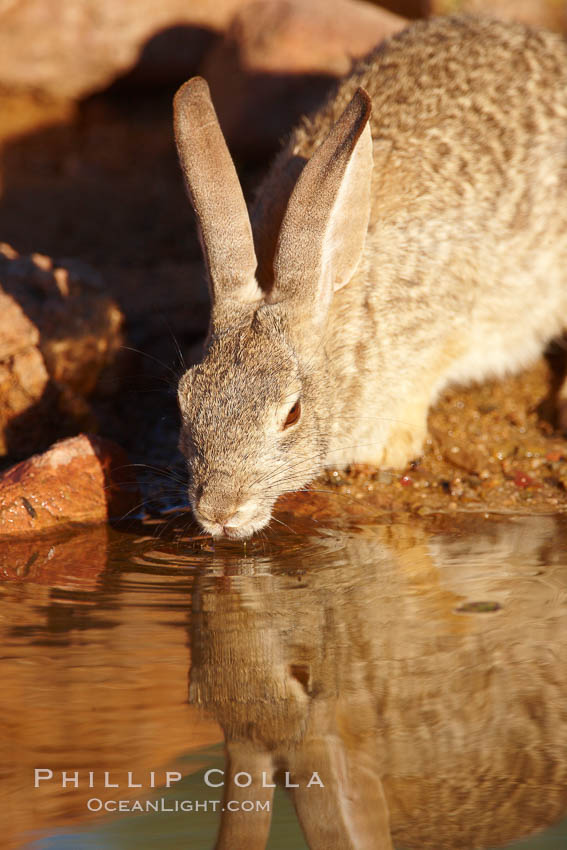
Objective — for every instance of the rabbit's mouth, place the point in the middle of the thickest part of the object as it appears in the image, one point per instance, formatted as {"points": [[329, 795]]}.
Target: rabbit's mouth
{"points": [[238, 524], [242, 532]]}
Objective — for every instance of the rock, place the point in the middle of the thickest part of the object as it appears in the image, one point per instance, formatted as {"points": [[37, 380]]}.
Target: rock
{"points": [[79, 324], [279, 59], [71, 48], [59, 331], [83, 479], [25, 385], [551, 14], [23, 375]]}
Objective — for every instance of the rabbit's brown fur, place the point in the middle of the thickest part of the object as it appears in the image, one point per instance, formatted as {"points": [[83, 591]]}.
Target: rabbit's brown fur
{"points": [[462, 274]]}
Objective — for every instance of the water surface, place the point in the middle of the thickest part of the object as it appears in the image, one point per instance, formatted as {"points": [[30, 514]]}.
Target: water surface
{"points": [[408, 678]]}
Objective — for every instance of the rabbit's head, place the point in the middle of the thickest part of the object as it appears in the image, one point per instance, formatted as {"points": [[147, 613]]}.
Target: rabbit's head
{"points": [[256, 411]]}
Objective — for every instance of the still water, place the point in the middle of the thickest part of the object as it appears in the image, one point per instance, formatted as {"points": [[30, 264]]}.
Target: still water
{"points": [[408, 680]]}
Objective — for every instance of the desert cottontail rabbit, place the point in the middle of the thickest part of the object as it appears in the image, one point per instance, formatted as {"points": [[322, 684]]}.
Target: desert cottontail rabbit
{"points": [[411, 233]]}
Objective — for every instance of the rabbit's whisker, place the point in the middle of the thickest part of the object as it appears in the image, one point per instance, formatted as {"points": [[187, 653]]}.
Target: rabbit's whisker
{"points": [[175, 374], [164, 472], [275, 519], [180, 356]]}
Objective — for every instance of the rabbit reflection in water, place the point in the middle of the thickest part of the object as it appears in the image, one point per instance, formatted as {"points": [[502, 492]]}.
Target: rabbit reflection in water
{"points": [[411, 234], [431, 728]]}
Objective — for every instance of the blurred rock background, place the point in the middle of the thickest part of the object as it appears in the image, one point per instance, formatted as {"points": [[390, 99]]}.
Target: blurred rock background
{"points": [[102, 293]]}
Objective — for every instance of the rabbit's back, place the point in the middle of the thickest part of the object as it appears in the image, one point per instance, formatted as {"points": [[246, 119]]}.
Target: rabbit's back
{"points": [[461, 105], [469, 221]]}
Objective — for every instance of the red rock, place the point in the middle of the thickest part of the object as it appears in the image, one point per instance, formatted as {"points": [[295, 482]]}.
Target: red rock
{"points": [[71, 48], [83, 479], [279, 59], [16, 331], [24, 379], [59, 331], [79, 324], [550, 14]]}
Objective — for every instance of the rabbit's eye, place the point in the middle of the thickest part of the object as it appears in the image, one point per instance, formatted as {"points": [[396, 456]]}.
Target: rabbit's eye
{"points": [[293, 415]]}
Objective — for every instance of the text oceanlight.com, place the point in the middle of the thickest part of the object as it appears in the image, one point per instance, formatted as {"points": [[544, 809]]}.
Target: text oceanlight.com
{"points": [[168, 806]]}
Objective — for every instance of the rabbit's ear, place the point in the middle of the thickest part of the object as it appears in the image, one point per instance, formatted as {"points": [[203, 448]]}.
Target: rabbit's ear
{"points": [[216, 195], [324, 227]]}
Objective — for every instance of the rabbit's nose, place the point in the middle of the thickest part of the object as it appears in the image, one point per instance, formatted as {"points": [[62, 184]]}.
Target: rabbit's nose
{"points": [[215, 503], [216, 507], [229, 517], [219, 516]]}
